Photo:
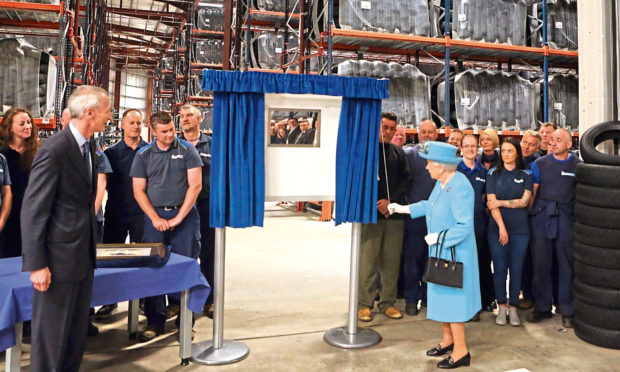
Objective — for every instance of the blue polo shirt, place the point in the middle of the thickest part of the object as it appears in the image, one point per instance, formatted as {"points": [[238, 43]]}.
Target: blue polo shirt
{"points": [[528, 161], [166, 171], [204, 150], [102, 166], [510, 185], [121, 201], [5, 178], [478, 178]]}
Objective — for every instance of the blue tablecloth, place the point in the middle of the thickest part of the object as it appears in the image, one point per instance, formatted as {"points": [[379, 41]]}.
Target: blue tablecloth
{"points": [[110, 286]]}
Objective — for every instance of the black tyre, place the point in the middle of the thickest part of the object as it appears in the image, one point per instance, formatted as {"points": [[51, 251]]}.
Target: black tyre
{"points": [[597, 336], [597, 236], [601, 297], [596, 276], [597, 316], [593, 137], [598, 196], [595, 256], [597, 216], [598, 175]]}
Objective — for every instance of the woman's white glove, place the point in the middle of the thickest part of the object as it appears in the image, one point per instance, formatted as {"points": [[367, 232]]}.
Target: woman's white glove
{"points": [[431, 238], [397, 208]]}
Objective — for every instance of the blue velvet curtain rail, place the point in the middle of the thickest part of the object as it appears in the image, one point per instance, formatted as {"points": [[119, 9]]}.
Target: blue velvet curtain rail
{"points": [[238, 159]]}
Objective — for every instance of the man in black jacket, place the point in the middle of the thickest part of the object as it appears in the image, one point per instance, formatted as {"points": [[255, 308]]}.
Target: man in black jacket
{"points": [[382, 242], [59, 234]]}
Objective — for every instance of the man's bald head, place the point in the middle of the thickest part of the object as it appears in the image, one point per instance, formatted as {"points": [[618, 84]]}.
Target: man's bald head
{"points": [[561, 141], [427, 131]]}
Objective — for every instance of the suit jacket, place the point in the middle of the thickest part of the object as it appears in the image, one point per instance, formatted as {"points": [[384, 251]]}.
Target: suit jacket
{"points": [[58, 219], [306, 138], [291, 136]]}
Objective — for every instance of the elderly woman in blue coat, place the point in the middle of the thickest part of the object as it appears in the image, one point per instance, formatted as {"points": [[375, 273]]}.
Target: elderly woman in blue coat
{"points": [[450, 207]]}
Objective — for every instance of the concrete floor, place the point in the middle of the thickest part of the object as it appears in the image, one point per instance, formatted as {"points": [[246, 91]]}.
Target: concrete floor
{"points": [[287, 283]]}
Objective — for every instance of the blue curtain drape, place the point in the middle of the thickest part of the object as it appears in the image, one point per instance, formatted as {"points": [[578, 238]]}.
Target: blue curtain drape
{"points": [[357, 160], [238, 152], [238, 160]]}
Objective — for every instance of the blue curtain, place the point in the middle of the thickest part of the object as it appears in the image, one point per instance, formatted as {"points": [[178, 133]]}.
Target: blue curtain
{"points": [[238, 159], [357, 161]]}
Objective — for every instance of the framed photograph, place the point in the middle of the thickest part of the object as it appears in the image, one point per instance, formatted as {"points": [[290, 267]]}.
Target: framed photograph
{"points": [[114, 251], [289, 127]]}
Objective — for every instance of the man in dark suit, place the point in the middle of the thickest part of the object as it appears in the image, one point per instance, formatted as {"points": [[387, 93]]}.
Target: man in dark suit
{"points": [[307, 134], [59, 234], [293, 131]]}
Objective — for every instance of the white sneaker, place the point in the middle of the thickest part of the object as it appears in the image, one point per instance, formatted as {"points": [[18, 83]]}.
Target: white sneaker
{"points": [[501, 316], [514, 318]]}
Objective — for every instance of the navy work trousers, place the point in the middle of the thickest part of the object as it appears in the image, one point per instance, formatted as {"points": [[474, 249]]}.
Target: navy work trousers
{"points": [[116, 228], [543, 250], [184, 239], [413, 260], [207, 245], [508, 257]]}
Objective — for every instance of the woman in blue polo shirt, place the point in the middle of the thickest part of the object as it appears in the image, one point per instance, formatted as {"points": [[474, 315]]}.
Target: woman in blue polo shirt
{"points": [[509, 189], [477, 175]]}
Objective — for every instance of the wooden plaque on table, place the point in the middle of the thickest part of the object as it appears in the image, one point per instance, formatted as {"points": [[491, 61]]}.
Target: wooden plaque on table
{"points": [[116, 251]]}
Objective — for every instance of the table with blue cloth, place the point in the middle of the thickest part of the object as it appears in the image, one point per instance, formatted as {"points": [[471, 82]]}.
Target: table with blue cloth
{"points": [[111, 285]]}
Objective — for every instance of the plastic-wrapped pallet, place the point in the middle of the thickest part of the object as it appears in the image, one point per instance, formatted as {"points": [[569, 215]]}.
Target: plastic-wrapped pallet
{"points": [[409, 88], [269, 47], [207, 51], [210, 16], [411, 17], [496, 99], [562, 24], [563, 100], [27, 77], [496, 21]]}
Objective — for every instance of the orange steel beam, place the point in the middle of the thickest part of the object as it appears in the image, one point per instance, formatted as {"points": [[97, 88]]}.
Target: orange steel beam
{"points": [[29, 24], [271, 13], [14, 5]]}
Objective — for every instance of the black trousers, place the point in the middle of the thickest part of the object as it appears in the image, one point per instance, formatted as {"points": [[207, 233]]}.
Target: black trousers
{"points": [[487, 289], [59, 325], [116, 229]]}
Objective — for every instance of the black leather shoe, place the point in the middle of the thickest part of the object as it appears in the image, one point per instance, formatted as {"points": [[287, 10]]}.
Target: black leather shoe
{"points": [[422, 303], [438, 351], [208, 310], [490, 307], [450, 363], [568, 321], [412, 308], [92, 330], [149, 333], [537, 316], [105, 311]]}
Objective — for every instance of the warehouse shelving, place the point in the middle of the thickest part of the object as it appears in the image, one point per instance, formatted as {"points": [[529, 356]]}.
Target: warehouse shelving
{"points": [[363, 42]]}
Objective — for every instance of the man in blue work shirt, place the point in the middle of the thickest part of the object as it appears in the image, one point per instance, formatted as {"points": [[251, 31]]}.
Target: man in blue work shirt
{"points": [[123, 215], [167, 178], [415, 250], [552, 227], [190, 123]]}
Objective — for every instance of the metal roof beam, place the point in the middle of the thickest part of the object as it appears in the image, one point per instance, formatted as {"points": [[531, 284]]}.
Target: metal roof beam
{"points": [[132, 30], [141, 43]]}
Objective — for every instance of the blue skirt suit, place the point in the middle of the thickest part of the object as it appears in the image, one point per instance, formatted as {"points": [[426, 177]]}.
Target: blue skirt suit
{"points": [[452, 208]]}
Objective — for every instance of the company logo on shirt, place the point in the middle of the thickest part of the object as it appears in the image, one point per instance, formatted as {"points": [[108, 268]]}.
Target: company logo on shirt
{"points": [[518, 181], [568, 174], [481, 180], [176, 157], [203, 154]]}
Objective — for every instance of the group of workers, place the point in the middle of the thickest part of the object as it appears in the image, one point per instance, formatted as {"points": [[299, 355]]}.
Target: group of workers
{"points": [[51, 212]]}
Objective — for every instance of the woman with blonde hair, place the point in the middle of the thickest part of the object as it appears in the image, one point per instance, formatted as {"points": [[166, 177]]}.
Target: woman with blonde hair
{"points": [[19, 142], [489, 142]]}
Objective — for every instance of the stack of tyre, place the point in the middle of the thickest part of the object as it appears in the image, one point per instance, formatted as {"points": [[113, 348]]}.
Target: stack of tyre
{"points": [[597, 240]]}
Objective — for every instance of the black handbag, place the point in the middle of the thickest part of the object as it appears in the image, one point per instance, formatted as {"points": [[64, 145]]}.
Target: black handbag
{"points": [[444, 272]]}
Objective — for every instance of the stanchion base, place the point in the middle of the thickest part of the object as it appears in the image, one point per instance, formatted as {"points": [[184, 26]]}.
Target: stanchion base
{"points": [[230, 352], [339, 337]]}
